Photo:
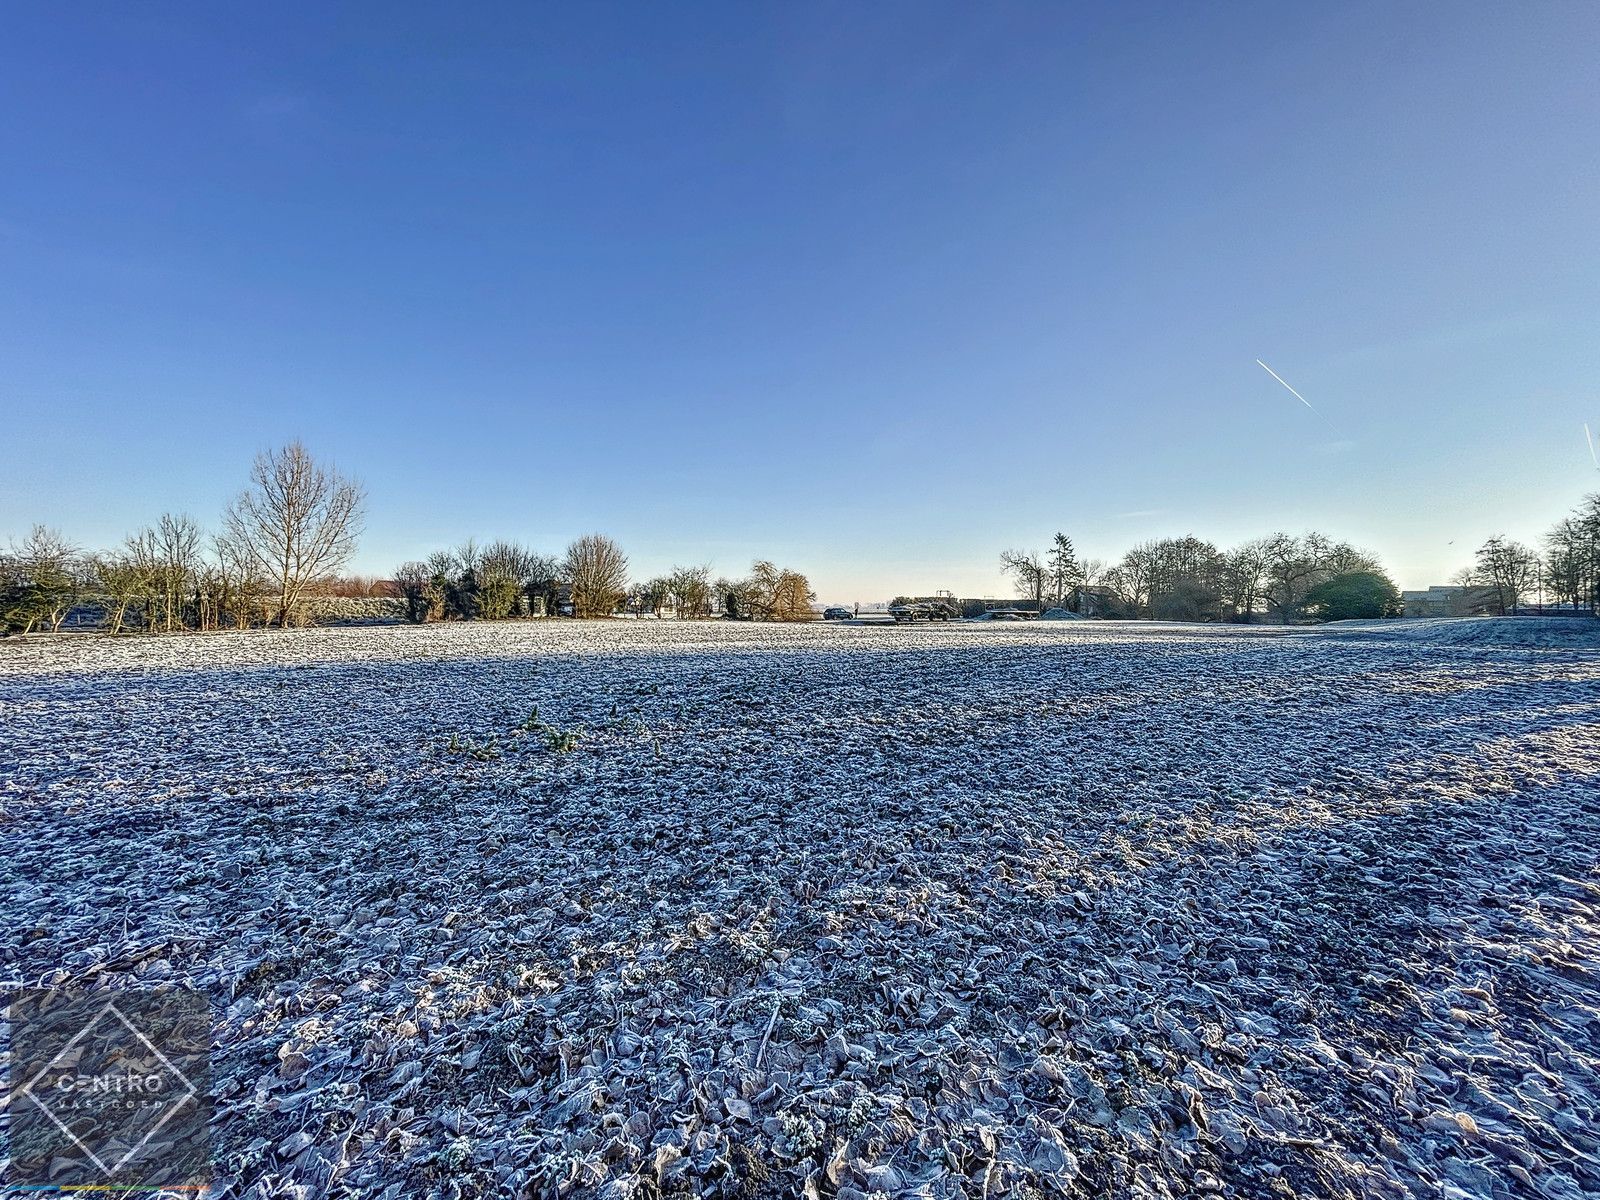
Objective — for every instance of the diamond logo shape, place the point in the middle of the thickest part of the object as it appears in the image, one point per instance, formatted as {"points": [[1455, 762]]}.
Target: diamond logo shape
{"points": [[186, 1090], [110, 1081]]}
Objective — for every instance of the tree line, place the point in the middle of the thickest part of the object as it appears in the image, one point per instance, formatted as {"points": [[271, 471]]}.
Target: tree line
{"points": [[506, 580], [1565, 572], [1190, 579], [1311, 576], [294, 526], [291, 529], [287, 535]]}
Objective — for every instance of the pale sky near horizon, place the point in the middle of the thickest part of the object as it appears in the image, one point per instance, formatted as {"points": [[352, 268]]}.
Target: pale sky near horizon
{"points": [[875, 291]]}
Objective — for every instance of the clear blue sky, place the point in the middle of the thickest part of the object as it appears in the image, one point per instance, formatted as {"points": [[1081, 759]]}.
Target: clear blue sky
{"points": [[873, 290]]}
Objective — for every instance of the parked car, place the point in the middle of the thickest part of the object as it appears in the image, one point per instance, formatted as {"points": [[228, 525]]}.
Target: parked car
{"points": [[837, 614]]}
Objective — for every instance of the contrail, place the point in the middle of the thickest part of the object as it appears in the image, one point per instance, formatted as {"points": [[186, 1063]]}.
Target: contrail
{"points": [[1292, 392], [1589, 437]]}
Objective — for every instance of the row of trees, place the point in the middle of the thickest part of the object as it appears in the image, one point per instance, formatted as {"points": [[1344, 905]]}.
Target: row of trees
{"points": [[472, 582], [1056, 577], [768, 593], [1312, 576], [1189, 579], [290, 530], [1565, 573], [505, 579], [294, 526]]}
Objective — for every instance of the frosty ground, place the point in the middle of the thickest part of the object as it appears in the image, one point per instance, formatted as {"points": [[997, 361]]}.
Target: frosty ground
{"points": [[634, 909]]}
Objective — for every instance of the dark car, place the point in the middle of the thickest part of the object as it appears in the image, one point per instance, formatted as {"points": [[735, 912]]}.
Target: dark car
{"points": [[837, 614]]}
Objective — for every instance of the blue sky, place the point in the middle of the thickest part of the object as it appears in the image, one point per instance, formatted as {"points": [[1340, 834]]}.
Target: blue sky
{"points": [[873, 290]]}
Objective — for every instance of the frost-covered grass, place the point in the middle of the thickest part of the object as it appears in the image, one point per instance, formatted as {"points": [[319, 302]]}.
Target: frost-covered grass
{"points": [[989, 910]]}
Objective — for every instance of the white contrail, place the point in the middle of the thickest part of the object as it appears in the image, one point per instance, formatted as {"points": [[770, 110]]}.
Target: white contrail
{"points": [[1589, 437], [1297, 395], [1281, 380]]}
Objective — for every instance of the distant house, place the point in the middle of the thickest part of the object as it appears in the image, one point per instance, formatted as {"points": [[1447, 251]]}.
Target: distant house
{"points": [[1453, 601], [1097, 600]]}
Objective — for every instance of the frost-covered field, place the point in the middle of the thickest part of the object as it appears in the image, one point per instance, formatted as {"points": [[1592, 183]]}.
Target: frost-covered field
{"points": [[979, 911]]}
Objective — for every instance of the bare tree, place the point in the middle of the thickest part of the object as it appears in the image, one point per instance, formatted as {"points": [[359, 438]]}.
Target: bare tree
{"points": [[691, 591], [1242, 574], [1507, 568], [597, 570], [121, 579], [1028, 571], [1572, 556], [1588, 519], [651, 596], [1344, 559], [238, 582], [1293, 566], [168, 555], [1185, 583], [1563, 561], [43, 577], [298, 521], [1135, 573], [776, 594]]}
